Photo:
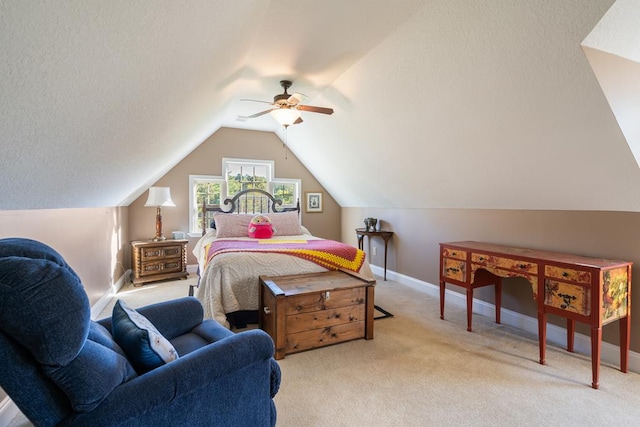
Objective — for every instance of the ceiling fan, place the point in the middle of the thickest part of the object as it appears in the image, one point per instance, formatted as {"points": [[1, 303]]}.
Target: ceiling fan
{"points": [[286, 108]]}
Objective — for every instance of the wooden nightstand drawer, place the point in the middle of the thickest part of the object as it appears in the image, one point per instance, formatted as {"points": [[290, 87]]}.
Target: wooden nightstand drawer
{"points": [[163, 260], [158, 267], [160, 252]]}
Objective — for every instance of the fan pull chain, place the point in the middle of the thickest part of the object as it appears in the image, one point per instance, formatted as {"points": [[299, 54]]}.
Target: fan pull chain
{"points": [[284, 142]]}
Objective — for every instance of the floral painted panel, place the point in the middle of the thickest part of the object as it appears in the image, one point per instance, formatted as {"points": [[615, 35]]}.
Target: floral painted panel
{"points": [[453, 269], [454, 253], [567, 296], [615, 294]]}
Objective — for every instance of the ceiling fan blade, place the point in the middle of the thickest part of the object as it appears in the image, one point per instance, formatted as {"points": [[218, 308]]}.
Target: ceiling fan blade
{"points": [[296, 98], [298, 121], [313, 109], [253, 116], [256, 100]]}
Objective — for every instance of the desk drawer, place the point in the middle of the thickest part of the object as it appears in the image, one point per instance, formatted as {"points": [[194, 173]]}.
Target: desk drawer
{"points": [[508, 263], [454, 253], [454, 269], [567, 274], [567, 296]]}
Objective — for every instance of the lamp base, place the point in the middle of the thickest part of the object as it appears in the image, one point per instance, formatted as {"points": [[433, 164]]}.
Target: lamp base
{"points": [[159, 236]]}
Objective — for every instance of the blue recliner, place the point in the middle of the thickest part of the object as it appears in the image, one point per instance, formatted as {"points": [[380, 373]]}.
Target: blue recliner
{"points": [[62, 368]]}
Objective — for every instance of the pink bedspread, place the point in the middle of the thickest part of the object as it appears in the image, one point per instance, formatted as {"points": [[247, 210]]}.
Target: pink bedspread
{"points": [[326, 253]]}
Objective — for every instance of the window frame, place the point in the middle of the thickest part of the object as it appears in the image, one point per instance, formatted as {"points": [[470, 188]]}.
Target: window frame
{"points": [[195, 228]]}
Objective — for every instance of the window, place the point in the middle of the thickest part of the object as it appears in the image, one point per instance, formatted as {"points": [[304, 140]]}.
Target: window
{"points": [[238, 175], [202, 188]]}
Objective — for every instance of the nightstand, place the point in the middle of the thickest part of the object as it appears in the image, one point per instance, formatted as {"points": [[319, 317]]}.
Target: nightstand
{"points": [[152, 261]]}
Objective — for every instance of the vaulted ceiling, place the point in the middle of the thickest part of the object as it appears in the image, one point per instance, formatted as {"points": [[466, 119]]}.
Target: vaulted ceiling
{"points": [[438, 103]]}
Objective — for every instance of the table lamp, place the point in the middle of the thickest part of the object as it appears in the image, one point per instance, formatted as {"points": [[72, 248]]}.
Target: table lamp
{"points": [[158, 197]]}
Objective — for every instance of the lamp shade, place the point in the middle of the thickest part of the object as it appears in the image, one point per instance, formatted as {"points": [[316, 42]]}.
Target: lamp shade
{"points": [[159, 196], [285, 116]]}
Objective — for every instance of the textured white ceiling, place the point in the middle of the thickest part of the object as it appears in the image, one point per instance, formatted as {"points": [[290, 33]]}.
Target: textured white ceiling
{"points": [[439, 103]]}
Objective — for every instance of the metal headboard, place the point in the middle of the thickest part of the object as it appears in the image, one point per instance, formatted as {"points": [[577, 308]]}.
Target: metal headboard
{"points": [[252, 200]]}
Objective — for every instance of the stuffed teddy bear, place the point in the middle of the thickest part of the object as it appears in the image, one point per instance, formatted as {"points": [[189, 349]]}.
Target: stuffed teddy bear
{"points": [[260, 227]]}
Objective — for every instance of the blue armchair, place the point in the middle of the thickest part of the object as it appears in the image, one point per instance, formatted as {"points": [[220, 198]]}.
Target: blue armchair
{"points": [[62, 368]]}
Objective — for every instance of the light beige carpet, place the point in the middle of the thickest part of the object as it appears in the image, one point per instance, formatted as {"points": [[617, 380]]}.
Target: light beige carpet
{"points": [[137, 296], [423, 371]]}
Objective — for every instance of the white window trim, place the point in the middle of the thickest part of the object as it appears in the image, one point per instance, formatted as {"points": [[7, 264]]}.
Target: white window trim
{"points": [[296, 182], [269, 163], [193, 209], [272, 181]]}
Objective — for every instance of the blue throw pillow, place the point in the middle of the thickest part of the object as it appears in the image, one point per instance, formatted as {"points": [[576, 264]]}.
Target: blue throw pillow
{"points": [[144, 346]]}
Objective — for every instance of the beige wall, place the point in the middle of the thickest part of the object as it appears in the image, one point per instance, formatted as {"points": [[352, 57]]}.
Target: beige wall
{"points": [[93, 240], [207, 160], [414, 247]]}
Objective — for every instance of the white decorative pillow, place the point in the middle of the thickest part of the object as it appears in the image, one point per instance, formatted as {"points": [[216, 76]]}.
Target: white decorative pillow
{"points": [[144, 346], [232, 225], [286, 224]]}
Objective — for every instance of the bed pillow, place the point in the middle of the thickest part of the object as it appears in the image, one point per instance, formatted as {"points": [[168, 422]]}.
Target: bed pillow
{"points": [[144, 346], [231, 225], [286, 224]]}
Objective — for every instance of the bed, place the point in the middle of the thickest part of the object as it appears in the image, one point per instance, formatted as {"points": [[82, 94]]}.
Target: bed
{"points": [[230, 262]]}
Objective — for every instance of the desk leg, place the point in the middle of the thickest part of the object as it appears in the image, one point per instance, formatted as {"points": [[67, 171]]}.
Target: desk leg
{"points": [[571, 329], [498, 298], [442, 289], [469, 308], [542, 335], [385, 259], [596, 343], [625, 336]]}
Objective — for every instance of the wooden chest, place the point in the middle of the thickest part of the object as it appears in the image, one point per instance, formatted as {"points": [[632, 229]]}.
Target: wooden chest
{"points": [[307, 311]]}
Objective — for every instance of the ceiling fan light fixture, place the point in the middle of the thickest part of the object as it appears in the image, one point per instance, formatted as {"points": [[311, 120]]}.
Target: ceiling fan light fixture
{"points": [[285, 116]]}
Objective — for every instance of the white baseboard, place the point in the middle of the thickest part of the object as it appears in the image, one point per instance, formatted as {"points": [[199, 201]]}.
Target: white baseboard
{"points": [[556, 335]]}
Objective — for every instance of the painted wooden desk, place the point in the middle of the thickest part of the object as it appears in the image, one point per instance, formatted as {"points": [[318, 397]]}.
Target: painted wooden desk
{"points": [[588, 290]]}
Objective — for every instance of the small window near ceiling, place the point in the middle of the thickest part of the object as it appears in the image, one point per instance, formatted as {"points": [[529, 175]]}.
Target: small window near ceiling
{"points": [[241, 176]]}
